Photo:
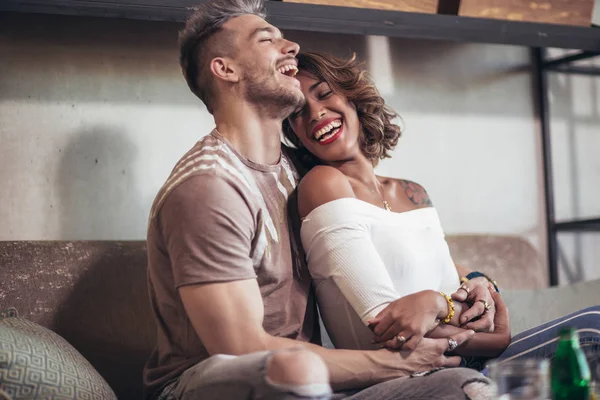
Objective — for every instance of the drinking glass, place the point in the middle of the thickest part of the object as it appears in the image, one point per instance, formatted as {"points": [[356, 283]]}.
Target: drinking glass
{"points": [[521, 379]]}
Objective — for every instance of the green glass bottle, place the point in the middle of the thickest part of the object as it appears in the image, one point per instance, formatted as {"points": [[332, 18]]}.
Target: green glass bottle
{"points": [[571, 375]]}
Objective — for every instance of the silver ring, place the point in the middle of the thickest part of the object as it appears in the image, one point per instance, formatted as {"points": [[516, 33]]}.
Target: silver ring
{"points": [[452, 344], [401, 339], [466, 289]]}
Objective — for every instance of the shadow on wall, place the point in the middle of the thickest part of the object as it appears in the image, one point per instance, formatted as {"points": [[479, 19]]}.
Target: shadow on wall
{"points": [[105, 312], [99, 198]]}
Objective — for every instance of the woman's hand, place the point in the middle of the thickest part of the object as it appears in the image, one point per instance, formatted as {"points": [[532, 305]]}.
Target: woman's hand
{"points": [[482, 343], [404, 322], [491, 344], [478, 293]]}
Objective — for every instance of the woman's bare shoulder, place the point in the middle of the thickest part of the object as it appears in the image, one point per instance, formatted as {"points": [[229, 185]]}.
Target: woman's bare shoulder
{"points": [[321, 185]]}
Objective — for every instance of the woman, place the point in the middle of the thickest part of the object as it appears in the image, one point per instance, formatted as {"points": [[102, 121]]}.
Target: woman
{"points": [[374, 245]]}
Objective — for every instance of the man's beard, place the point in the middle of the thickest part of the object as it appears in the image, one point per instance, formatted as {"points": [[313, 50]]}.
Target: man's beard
{"points": [[274, 99]]}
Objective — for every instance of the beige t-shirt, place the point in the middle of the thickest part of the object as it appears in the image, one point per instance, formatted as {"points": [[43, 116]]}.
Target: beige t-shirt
{"points": [[218, 218]]}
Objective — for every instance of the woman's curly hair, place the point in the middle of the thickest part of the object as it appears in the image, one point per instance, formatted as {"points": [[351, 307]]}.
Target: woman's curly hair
{"points": [[347, 78]]}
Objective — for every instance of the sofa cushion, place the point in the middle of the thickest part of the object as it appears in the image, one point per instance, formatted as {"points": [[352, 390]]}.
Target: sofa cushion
{"points": [[37, 363], [511, 260]]}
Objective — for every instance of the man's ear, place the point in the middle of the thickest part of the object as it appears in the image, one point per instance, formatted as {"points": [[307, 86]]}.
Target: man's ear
{"points": [[224, 68]]}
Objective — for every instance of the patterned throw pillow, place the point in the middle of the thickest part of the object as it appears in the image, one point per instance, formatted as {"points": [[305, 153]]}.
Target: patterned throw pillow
{"points": [[4, 395], [36, 363]]}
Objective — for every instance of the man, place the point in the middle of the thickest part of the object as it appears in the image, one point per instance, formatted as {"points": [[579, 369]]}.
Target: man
{"points": [[230, 293]]}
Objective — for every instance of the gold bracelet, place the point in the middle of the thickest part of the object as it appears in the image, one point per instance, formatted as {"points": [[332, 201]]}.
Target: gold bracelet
{"points": [[464, 279], [450, 308]]}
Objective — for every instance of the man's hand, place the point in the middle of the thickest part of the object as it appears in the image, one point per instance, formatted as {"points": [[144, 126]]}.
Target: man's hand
{"points": [[477, 292], [404, 322], [430, 353]]}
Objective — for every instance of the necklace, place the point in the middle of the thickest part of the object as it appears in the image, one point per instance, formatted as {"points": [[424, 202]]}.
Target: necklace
{"points": [[387, 206], [385, 203]]}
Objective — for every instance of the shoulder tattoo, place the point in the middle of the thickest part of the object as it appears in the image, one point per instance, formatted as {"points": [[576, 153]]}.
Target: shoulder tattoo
{"points": [[416, 193]]}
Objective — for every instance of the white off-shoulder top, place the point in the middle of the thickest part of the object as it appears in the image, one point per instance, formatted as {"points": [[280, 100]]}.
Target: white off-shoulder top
{"points": [[362, 257]]}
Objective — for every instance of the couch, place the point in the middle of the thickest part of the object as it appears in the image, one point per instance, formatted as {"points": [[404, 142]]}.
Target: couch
{"points": [[94, 295]]}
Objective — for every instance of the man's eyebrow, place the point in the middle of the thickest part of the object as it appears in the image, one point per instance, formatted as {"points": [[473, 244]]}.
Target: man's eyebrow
{"points": [[268, 29]]}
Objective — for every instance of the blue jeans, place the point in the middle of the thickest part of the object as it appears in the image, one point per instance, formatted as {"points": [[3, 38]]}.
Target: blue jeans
{"points": [[540, 342]]}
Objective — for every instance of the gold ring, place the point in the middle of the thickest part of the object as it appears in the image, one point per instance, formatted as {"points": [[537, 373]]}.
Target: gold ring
{"points": [[486, 306], [466, 289]]}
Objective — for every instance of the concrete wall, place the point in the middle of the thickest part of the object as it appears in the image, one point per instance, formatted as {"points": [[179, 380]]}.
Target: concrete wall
{"points": [[94, 113]]}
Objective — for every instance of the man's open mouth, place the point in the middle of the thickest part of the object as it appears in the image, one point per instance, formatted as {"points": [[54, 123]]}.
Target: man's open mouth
{"points": [[289, 70]]}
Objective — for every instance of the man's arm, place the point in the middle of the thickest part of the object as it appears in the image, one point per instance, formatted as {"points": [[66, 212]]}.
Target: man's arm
{"points": [[228, 319]]}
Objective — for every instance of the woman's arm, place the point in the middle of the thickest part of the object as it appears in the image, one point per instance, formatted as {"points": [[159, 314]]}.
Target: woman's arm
{"points": [[420, 198], [339, 247]]}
